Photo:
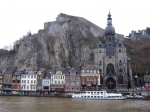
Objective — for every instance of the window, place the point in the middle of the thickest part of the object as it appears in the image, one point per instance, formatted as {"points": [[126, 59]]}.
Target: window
{"points": [[28, 81], [119, 50], [100, 70], [119, 44], [91, 71], [18, 81], [99, 51], [82, 71], [120, 61], [87, 70]]}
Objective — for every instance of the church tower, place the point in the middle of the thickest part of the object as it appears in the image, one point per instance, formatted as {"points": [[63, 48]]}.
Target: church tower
{"points": [[112, 61]]}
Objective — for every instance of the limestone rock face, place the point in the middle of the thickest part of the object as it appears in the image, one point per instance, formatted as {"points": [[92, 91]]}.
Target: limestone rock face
{"points": [[67, 41]]}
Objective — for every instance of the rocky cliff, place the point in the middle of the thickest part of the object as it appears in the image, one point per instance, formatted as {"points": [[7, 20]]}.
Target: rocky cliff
{"points": [[69, 41]]}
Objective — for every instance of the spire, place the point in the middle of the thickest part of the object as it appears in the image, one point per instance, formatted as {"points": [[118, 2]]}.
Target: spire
{"points": [[109, 19]]}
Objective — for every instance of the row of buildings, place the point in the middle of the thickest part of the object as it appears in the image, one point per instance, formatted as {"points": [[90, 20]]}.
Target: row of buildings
{"points": [[63, 80]]}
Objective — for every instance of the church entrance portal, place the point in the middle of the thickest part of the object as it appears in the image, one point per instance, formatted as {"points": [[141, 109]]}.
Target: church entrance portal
{"points": [[110, 83]]}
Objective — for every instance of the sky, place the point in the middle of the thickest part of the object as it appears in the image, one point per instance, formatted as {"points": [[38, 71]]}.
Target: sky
{"points": [[17, 17]]}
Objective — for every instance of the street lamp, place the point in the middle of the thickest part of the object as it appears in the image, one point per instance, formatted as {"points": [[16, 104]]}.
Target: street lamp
{"points": [[136, 82]]}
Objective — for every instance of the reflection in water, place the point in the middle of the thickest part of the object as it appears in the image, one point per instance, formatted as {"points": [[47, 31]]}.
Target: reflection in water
{"points": [[51, 104]]}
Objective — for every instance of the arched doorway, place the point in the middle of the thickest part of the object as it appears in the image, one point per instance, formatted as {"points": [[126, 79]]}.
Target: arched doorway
{"points": [[111, 83]]}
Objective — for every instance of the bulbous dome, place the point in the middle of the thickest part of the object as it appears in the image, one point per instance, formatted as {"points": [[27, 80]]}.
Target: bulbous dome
{"points": [[109, 30]]}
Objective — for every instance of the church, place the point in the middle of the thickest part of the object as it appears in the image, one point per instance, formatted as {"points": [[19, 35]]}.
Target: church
{"points": [[112, 61]]}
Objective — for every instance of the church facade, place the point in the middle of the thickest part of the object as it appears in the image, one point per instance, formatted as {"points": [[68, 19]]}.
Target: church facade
{"points": [[112, 61]]}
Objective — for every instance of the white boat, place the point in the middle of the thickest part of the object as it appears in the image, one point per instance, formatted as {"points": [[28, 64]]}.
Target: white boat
{"points": [[100, 95], [134, 96]]}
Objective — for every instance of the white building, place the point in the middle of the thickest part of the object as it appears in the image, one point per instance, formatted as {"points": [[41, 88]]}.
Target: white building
{"points": [[57, 81], [29, 81]]}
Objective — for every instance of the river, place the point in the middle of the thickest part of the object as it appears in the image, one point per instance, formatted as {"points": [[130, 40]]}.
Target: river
{"points": [[53, 104]]}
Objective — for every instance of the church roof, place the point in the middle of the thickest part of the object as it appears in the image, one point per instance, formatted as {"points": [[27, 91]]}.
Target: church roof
{"points": [[100, 45]]}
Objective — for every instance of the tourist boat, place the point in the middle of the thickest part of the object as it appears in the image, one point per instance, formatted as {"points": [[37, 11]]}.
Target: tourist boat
{"points": [[100, 95]]}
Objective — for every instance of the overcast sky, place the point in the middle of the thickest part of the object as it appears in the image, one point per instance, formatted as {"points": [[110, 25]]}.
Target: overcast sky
{"points": [[17, 17]]}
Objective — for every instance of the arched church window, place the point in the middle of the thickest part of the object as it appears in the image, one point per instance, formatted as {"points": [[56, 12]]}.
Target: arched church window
{"points": [[119, 50], [120, 45], [109, 38], [120, 79], [110, 69]]}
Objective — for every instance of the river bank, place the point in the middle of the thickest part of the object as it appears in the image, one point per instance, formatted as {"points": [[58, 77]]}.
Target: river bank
{"points": [[64, 95]]}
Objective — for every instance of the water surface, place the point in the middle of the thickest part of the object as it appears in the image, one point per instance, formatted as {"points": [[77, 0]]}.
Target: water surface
{"points": [[53, 104]]}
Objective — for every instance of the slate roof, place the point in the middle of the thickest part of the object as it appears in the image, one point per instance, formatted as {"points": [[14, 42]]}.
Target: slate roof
{"points": [[10, 70], [48, 74]]}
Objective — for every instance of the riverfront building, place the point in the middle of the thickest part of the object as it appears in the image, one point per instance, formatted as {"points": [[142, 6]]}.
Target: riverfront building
{"points": [[90, 78], [29, 81], [58, 81], [72, 79]]}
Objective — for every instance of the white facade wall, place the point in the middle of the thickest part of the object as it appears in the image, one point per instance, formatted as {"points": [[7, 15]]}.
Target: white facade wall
{"points": [[28, 82], [58, 78]]}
